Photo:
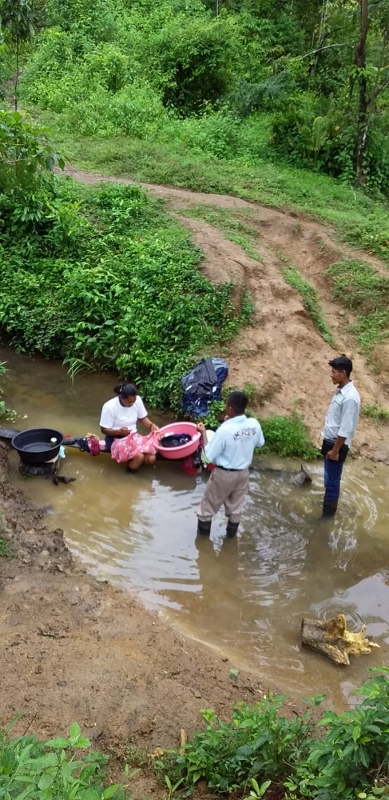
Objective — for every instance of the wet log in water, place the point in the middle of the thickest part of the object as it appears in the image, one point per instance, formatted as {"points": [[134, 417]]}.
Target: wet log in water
{"points": [[332, 639]]}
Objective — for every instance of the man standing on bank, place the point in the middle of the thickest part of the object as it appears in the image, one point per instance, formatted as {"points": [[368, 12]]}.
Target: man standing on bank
{"points": [[231, 452], [339, 428]]}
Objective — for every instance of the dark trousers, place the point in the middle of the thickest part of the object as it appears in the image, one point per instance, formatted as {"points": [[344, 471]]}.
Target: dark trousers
{"points": [[333, 470], [108, 442]]}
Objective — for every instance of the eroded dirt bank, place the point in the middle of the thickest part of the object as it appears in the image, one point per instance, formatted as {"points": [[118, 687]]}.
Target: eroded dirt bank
{"points": [[73, 648], [282, 354]]}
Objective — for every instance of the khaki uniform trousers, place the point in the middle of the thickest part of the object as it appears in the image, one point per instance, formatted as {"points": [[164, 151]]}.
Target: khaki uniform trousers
{"points": [[224, 488]]}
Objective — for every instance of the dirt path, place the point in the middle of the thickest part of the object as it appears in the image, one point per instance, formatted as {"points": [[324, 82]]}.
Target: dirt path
{"points": [[73, 648], [282, 354]]}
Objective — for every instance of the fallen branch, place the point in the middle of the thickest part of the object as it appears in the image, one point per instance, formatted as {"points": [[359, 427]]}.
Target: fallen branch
{"points": [[332, 639]]}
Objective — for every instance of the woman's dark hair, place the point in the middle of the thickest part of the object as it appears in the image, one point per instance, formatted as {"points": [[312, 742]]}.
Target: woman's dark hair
{"points": [[126, 390]]}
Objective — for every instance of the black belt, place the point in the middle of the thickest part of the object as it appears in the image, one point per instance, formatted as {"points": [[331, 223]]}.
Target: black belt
{"points": [[227, 469]]}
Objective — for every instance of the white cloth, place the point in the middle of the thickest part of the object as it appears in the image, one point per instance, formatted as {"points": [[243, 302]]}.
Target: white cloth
{"points": [[115, 416], [343, 414], [232, 446]]}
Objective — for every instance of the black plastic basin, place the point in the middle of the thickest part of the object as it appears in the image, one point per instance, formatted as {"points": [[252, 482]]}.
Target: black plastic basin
{"points": [[34, 446]]}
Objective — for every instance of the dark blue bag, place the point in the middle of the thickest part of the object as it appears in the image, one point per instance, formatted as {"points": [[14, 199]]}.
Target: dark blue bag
{"points": [[202, 385]]}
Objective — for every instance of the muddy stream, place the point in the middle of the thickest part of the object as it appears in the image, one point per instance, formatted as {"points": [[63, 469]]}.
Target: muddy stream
{"points": [[245, 598]]}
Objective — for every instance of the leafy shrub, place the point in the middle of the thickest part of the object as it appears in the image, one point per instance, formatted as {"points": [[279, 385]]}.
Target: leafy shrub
{"points": [[26, 155], [355, 748], [284, 435], [288, 436], [50, 770], [341, 755], [114, 281], [260, 741]]}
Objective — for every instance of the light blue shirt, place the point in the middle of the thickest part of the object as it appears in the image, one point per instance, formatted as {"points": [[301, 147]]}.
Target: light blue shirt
{"points": [[233, 444], [343, 414]]}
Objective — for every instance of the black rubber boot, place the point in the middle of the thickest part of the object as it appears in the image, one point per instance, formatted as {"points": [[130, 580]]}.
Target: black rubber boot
{"points": [[329, 508], [231, 529], [204, 528]]}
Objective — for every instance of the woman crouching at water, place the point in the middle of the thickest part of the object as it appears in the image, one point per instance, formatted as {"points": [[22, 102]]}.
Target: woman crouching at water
{"points": [[118, 421]]}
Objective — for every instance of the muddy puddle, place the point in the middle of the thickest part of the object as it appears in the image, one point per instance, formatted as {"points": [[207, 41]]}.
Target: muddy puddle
{"points": [[245, 597]]}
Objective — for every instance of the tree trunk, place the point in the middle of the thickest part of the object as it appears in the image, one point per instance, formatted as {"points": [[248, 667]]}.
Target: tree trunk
{"points": [[360, 63], [17, 75]]}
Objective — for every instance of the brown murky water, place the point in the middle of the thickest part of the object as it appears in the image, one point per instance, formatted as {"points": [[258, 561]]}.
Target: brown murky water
{"points": [[243, 597]]}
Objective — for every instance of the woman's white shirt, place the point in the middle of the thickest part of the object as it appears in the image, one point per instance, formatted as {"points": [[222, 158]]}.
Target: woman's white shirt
{"points": [[115, 416]]}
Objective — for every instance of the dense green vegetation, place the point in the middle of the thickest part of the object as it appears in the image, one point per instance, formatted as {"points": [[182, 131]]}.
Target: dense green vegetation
{"points": [[338, 756], [305, 82], [247, 98], [105, 277]]}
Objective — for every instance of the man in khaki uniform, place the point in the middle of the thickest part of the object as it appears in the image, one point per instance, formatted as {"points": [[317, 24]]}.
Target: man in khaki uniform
{"points": [[231, 451]]}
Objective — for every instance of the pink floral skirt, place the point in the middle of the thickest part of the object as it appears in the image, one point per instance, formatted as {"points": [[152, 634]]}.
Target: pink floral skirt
{"points": [[130, 446]]}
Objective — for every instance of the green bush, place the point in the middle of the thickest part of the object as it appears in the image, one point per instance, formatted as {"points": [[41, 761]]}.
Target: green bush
{"points": [[260, 741], [284, 435], [341, 755], [50, 770], [287, 436], [26, 156], [108, 278]]}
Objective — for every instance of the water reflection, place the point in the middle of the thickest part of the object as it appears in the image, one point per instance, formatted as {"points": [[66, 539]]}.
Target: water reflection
{"points": [[245, 596]]}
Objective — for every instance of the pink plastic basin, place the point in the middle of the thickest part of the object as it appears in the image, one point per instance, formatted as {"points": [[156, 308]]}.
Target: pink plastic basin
{"points": [[184, 450]]}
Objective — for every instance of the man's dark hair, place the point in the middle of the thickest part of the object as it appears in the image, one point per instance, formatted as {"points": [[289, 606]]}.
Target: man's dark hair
{"points": [[342, 363], [238, 401]]}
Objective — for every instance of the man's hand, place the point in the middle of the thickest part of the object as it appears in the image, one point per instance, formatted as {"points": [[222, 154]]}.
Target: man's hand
{"points": [[201, 428], [333, 455]]}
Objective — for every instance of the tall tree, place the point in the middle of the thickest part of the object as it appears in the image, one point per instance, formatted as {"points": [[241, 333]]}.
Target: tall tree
{"points": [[17, 23]]}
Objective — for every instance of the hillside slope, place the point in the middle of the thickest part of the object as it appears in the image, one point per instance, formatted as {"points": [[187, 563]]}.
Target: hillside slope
{"points": [[282, 354]]}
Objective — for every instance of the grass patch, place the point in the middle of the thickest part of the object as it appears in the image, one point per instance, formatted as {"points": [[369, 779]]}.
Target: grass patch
{"points": [[234, 225], [376, 413], [358, 218], [366, 292], [5, 549], [285, 436], [311, 301]]}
